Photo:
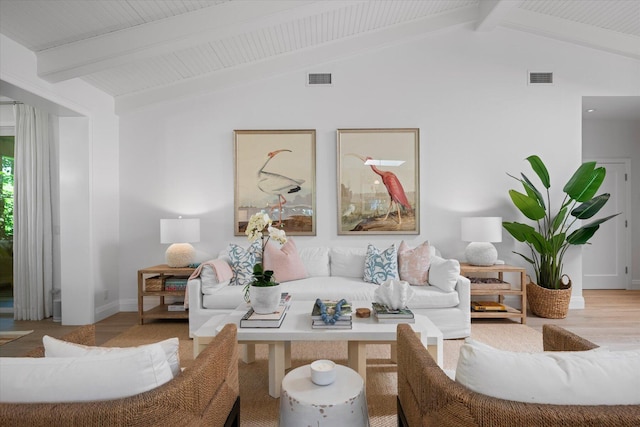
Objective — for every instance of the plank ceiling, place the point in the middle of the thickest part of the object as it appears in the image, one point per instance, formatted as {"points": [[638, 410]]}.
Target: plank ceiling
{"points": [[142, 51]]}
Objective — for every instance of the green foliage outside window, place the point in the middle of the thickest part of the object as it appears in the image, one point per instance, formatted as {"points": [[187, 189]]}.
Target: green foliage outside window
{"points": [[6, 187]]}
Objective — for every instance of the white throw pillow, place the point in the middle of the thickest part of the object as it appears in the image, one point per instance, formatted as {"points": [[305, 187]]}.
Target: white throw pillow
{"points": [[594, 377], [57, 348], [348, 262], [443, 273], [316, 261], [80, 379], [209, 280]]}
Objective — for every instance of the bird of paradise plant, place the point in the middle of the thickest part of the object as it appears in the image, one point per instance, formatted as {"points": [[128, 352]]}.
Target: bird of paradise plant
{"points": [[552, 236]]}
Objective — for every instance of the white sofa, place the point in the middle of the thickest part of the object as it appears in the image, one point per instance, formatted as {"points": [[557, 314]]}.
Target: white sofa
{"points": [[335, 273]]}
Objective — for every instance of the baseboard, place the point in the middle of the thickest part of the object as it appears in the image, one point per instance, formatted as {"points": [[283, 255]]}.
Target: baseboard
{"points": [[635, 284], [104, 311], [576, 303]]}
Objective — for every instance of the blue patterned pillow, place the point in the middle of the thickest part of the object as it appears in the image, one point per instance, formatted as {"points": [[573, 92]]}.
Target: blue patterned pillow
{"points": [[242, 262], [380, 266]]}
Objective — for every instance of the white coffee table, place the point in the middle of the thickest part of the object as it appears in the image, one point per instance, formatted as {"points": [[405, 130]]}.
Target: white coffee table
{"points": [[297, 327]]}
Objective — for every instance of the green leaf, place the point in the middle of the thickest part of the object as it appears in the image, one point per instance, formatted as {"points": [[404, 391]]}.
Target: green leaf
{"points": [[532, 191], [591, 207], [518, 230], [582, 235], [529, 260], [585, 182], [557, 221], [540, 169], [527, 205]]}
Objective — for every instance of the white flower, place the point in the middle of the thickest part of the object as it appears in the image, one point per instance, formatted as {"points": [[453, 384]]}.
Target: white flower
{"points": [[257, 224], [278, 234]]}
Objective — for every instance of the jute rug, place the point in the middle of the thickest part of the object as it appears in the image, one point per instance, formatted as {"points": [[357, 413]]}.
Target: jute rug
{"points": [[258, 409], [8, 336]]}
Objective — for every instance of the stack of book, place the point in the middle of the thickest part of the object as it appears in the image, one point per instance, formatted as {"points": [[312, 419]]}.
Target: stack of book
{"points": [[272, 320], [343, 322], [176, 306], [175, 283], [385, 314]]}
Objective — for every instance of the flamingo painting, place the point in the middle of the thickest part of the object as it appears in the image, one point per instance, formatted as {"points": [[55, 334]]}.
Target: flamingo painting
{"points": [[393, 186], [276, 184]]}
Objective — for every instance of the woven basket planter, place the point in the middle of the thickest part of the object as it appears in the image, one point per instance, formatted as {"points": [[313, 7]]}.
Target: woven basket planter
{"points": [[549, 303]]}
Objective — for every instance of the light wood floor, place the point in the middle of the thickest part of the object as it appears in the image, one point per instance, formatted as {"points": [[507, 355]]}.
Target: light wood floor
{"points": [[611, 318]]}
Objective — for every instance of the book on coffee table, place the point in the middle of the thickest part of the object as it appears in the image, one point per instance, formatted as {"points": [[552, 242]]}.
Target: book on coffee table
{"points": [[381, 311], [271, 320], [331, 309]]}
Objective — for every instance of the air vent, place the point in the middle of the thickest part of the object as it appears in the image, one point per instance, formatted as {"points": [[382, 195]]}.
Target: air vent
{"points": [[540, 78], [319, 79]]}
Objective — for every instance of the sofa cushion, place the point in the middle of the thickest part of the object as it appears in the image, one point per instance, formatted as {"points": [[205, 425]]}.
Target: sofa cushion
{"points": [[75, 379], [284, 261], [347, 262], [443, 273], [316, 261], [413, 264], [594, 377], [58, 348], [380, 265], [209, 276], [243, 260]]}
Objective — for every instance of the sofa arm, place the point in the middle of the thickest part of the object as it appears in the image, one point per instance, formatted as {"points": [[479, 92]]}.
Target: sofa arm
{"points": [[463, 287], [194, 290]]}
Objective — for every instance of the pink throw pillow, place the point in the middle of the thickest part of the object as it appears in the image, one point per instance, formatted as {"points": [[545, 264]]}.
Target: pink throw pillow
{"points": [[413, 264], [285, 262]]}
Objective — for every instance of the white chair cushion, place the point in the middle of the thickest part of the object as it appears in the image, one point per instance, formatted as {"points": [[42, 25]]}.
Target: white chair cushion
{"points": [[594, 377], [80, 379], [57, 348], [443, 273]]}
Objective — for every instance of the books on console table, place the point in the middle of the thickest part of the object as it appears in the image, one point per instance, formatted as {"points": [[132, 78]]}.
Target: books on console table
{"points": [[176, 306], [487, 306]]}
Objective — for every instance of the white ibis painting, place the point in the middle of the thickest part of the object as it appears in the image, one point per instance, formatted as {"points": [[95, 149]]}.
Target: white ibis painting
{"points": [[277, 184], [393, 186]]}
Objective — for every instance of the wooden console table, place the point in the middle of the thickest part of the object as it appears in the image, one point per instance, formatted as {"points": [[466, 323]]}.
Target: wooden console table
{"points": [[161, 311], [468, 270]]}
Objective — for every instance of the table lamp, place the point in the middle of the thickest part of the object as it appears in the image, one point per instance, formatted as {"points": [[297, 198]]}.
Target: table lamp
{"points": [[481, 231], [180, 233]]}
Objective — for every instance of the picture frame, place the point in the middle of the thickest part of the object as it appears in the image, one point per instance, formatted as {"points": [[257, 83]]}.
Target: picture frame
{"points": [[275, 173], [373, 165]]}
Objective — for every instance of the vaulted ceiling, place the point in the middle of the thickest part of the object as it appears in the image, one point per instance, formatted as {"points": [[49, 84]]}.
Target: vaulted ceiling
{"points": [[143, 51]]}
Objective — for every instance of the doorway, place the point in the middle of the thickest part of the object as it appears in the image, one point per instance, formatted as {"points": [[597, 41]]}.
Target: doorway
{"points": [[606, 261]]}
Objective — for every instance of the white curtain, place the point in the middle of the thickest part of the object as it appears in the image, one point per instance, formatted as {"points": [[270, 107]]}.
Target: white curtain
{"points": [[35, 157]]}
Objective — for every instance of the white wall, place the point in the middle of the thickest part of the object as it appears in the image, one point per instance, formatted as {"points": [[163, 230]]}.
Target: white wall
{"points": [[88, 185], [466, 91], [619, 139]]}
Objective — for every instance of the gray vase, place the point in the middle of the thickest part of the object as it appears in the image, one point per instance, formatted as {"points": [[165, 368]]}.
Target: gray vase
{"points": [[264, 299]]}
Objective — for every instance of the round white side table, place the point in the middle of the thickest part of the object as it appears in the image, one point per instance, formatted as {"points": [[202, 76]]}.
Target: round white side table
{"points": [[342, 403]]}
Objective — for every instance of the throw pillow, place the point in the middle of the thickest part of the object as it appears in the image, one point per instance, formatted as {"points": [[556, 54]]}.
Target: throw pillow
{"points": [[594, 377], [413, 264], [79, 379], [347, 262], [380, 266], [57, 348], [443, 273], [285, 262], [242, 262], [210, 277], [316, 261]]}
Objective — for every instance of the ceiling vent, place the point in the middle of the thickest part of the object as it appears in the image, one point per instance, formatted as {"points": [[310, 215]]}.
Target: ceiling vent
{"points": [[319, 79], [540, 78]]}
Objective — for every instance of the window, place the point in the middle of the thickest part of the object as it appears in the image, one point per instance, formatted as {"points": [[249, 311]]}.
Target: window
{"points": [[6, 219]]}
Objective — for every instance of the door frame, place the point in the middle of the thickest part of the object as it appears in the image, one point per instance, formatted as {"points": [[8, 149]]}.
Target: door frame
{"points": [[627, 215]]}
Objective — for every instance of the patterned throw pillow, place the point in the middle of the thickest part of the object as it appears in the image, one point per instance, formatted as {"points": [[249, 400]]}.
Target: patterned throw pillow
{"points": [[413, 264], [380, 266], [242, 262]]}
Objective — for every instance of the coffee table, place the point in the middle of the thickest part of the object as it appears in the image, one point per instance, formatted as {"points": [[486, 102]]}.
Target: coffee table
{"points": [[297, 327]]}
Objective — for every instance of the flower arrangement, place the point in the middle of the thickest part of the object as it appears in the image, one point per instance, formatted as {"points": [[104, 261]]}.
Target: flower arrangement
{"points": [[260, 227]]}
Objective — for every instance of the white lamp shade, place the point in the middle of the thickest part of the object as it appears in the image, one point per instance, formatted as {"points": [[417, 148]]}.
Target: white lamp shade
{"points": [[482, 229], [179, 230]]}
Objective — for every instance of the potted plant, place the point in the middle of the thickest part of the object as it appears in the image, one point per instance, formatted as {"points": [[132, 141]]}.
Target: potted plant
{"points": [[263, 291], [554, 231]]}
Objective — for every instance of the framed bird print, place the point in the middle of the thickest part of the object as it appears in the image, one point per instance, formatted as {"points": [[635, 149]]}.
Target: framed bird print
{"points": [[275, 173], [378, 181]]}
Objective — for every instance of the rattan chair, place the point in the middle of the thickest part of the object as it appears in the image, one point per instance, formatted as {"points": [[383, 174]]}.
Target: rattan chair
{"points": [[428, 397], [206, 394]]}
